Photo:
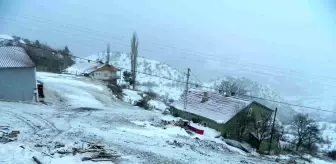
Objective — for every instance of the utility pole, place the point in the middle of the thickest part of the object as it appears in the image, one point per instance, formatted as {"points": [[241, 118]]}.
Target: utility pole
{"points": [[186, 91], [270, 144]]}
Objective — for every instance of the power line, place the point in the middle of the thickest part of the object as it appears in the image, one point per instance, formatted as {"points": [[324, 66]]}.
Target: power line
{"points": [[202, 86], [290, 73]]}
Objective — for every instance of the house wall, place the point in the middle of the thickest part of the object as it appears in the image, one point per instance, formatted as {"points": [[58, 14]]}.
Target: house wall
{"points": [[104, 75], [17, 84], [231, 125]]}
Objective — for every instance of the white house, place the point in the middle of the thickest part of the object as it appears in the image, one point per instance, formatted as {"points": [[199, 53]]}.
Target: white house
{"points": [[105, 72]]}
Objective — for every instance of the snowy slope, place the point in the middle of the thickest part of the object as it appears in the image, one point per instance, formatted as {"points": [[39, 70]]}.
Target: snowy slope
{"points": [[172, 85], [135, 133], [10, 40]]}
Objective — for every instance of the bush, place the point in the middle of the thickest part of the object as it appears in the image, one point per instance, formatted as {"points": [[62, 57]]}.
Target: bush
{"points": [[175, 114], [151, 94], [171, 100], [196, 120], [124, 86], [332, 154], [143, 103], [116, 90]]}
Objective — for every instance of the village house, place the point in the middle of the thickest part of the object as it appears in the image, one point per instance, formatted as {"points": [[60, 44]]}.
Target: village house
{"points": [[106, 73], [99, 71], [223, 113], [17, 75]]}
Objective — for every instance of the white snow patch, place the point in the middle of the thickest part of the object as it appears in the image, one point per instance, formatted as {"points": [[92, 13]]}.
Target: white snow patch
{"points": [[131, 96], [5, 36], [157, 105]]}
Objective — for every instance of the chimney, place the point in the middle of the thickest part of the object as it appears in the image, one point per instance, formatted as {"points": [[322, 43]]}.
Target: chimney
{"points": [[205, 97]]}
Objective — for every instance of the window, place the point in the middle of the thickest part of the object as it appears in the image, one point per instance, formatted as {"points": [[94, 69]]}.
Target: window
{"points": [[106, 74], [228, 133], [249, 112]]}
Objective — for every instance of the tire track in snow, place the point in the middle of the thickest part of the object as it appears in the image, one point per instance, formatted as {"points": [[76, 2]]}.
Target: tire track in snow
{"points": [[49, 124]]}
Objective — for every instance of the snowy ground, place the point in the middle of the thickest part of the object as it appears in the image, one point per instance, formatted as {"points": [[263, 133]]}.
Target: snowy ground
{"points": [[81, 109]]}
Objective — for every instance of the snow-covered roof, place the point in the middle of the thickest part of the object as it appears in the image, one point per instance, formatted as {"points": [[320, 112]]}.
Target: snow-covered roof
{"points": [[80, 68], [5, 36], [218, 108], [13, 57]]}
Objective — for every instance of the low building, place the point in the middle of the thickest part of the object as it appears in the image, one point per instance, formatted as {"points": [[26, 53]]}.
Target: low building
{"points": [[222, 113], [106, 73], [17, 75], [95, 70]]}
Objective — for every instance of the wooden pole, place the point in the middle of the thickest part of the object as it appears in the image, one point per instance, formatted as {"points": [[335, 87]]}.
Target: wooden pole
{"points": [[270, 144]]}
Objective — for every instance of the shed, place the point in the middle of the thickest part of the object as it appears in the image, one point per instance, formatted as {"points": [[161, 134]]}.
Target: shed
{"points": [[17, 75]]}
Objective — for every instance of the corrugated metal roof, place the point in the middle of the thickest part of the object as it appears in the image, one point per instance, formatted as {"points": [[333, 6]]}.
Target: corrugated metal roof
{"points": [[14, 57], [217, 107]]}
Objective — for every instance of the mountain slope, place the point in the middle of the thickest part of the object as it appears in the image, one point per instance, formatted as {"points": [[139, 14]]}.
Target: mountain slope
{"points": [[174, 88], [152, 75]]}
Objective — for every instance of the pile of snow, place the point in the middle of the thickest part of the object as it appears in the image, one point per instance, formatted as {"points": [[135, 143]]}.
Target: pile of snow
{"points": [[156, 104]]}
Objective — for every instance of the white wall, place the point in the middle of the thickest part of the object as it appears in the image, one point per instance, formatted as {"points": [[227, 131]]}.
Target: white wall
{"points": [[104, 75]]}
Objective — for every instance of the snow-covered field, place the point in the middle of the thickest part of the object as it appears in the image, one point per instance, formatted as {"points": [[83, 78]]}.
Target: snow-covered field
{"points": [[82, 109]]}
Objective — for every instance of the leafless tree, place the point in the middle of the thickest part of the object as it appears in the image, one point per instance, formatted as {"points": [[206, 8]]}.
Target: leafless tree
{"points": [[231, 88], [303, 126], [313, 137], [134, 56], [262, 127]]}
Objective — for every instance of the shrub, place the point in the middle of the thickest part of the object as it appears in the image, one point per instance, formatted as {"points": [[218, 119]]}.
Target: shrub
{"points": [[143, 103], [332, 154], [175, 114], [196, 120], [151, 94], [116, 90], [171, 100], [124, 86]]}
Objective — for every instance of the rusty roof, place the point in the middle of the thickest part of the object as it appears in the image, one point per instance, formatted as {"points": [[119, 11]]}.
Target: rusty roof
{"points": [[14, 57]]}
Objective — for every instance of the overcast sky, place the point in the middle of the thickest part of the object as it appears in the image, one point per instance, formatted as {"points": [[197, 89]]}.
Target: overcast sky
{"points": [[286, 44]]}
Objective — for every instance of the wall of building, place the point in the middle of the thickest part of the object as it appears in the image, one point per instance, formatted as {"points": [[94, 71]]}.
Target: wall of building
{"points": [[104, 75], [17, 84], [231, 126]]}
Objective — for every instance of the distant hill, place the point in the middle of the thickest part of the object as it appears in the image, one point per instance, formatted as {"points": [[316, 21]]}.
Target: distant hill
{"points": [[44, 56]]}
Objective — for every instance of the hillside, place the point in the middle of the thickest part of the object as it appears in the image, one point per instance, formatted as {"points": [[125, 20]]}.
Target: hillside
{"points": [[150, 74], [173, 89]]}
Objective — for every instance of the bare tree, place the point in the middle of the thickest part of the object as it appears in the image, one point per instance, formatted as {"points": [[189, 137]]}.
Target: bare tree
{"points": [[301, 124], [313, 137], [134, 56], [231, 88], [262, 127]]}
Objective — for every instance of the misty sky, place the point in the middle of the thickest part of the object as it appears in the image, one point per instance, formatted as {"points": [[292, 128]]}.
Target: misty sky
{"points": [[286, 44]]}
